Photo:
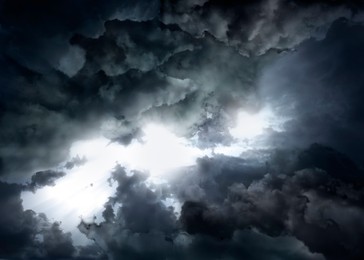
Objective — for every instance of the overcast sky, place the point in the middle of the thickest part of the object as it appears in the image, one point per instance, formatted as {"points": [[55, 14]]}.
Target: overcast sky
{"points": [[181, 129]]}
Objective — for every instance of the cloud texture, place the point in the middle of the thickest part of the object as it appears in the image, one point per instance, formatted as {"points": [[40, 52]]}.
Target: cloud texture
{"points": [[73, 71]]}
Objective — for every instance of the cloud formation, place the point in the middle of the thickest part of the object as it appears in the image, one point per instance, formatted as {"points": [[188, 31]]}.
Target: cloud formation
{"points": [[275, 212], [75, 71]]}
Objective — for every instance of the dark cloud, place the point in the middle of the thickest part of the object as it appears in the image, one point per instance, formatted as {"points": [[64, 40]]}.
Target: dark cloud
{"points": [[250, 244], [25, 234], [37, 59], [44, 178], [37, 32], [324, 102], [75, 162], [232, 206], [197, 218], [139, 226], [210, 179], [132, 71], [132, 45], [75, 70], [160, 235], [304, 204], [257, 26]]}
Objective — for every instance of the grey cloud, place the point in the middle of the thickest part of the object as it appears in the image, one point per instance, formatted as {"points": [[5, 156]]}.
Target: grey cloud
{"points": [[75, 162], [257, 26], [225, 83], [295, 215], [40, 140], [204, 90], [38, 121], [231, 206], [180, 84], [304, 203], [251, 244], [323, 104], [44, 178], [139, 226], [56, 243], [39, 34], [72, 61], [210, 178], [25, 234], [73, 70], [198, 218], [170, 53], [132, 45]]}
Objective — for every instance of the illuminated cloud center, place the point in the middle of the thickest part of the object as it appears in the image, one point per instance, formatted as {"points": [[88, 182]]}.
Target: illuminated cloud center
{"points": [[161, 151], [85, 189], [251, 125], [248, 125]]}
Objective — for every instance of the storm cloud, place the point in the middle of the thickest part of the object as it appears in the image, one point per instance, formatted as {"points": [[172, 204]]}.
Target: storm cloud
{"points": [[78, 71]]}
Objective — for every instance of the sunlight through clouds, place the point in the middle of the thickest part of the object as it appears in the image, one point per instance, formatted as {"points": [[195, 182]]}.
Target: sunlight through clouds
{"points": [[84, 190], [250, 125]]}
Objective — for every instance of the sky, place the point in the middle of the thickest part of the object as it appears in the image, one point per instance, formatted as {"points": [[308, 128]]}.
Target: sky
{"points": [[182, 129]]}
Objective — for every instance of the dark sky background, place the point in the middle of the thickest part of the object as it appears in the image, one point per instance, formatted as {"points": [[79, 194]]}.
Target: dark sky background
{"points": [[71, 70]]}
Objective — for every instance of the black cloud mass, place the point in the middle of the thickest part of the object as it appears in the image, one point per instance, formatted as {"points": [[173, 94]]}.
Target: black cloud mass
{"points": [[72, 70]]}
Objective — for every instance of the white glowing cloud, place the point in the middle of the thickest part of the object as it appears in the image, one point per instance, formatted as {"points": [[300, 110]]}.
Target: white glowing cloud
{"points": [[162, 151], [251, 125], [248, 125]]}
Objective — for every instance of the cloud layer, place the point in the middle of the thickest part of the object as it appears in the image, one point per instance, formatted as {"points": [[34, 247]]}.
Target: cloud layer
{"points": [[75, 71]]}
